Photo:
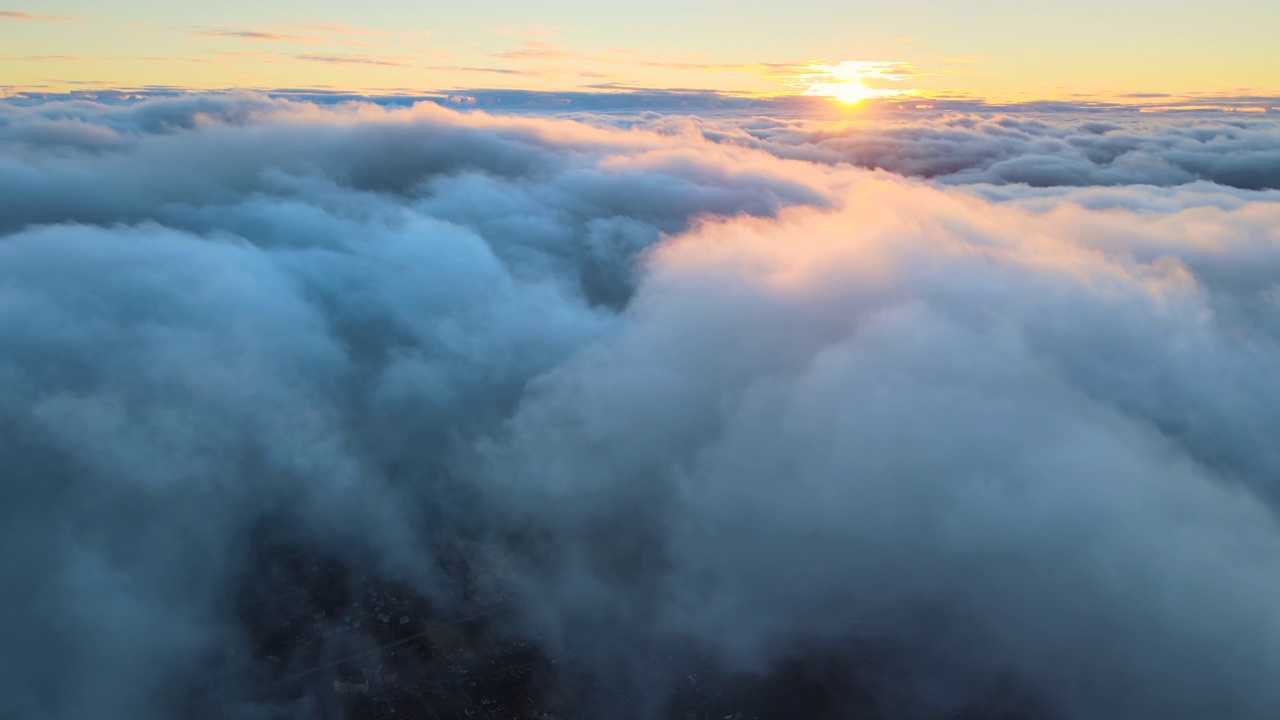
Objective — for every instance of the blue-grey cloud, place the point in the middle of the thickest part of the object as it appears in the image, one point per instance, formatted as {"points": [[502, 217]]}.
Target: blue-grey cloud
{"points": [[997, 424]]}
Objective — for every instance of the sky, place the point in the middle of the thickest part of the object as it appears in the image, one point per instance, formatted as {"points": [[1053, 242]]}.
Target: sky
{"points": [[994, 50]]}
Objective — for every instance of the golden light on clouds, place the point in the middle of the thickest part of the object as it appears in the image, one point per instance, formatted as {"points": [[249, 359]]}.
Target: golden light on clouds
{"points": [[853, 81]]}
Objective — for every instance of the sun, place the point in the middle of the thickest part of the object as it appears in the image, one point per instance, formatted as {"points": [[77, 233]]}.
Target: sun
{"points": [[850, 82], [853, 92]]}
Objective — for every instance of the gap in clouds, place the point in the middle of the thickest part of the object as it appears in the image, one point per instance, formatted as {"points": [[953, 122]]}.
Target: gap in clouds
{"points": [[636, 415]]}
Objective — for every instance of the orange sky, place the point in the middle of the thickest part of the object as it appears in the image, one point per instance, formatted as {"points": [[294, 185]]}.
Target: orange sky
{"points": [[996, 50]]}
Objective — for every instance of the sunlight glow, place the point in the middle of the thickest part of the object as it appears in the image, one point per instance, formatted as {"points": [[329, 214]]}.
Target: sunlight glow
{"points": [[853, 81]]}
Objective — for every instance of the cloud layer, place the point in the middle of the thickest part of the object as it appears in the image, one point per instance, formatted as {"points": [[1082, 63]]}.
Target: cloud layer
{"points": [[1037, 148], [720, 397]]}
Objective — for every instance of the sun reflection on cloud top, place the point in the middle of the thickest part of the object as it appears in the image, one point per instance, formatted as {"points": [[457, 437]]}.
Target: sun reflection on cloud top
{"points": [[853, 81]]}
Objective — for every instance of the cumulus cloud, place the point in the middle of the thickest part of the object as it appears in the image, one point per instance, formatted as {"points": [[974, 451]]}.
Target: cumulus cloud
{"points": [[956, 428], [953, 445]]}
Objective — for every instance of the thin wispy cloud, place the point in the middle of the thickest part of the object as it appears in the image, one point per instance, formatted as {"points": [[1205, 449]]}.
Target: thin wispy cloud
{"points": [[330, 34], [351, 59], [623, 58], [338, 28], [486, 70], [47, 58], [530, 31], [255, 35], [546, 50], [37, 17], [104, 58]]}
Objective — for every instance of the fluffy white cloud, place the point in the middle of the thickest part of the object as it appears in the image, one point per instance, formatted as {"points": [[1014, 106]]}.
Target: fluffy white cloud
{"points": [[752, 402], [986, 436]]}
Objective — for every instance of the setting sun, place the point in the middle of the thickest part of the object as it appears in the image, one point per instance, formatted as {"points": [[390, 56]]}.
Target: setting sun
{"points": [[849, 82]]}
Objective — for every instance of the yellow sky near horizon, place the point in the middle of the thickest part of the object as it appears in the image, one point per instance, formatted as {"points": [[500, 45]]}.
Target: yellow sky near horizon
{"points": [[997, 50]]}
